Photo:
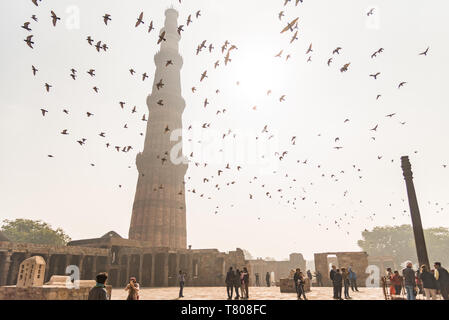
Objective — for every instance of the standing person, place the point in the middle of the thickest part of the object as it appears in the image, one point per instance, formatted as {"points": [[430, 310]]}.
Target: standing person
{"points": [[257, 280], [331, 276], [429, 283], [345, 277], [237, 283], [319, 278], [99, 291], [245, 282], [396, 281], [298, 278], [352, 279], [409, 279], [133, 289], [230, 276], [442, 277], [267, 279], [182, 281], [337, 282], [309, 275]]}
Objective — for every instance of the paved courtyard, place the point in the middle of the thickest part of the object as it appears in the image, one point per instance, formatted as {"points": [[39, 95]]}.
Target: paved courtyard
{"points": [[255, 293]]}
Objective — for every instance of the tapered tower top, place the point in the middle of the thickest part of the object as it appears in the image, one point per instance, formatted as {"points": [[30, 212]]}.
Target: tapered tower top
{"points": [[171, 30]]}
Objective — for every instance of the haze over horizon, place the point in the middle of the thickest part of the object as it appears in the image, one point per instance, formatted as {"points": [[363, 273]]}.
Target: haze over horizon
{"points": [[339, 192]]}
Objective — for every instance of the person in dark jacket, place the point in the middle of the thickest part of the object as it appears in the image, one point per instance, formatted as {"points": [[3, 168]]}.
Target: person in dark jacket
{"points": [[338, 283], [268, 279], [237, 284], [319, 279], [331, 276], [442, 277], [245, 283], [298, 278], [230, 278], [309, 275], [409, 278], [429, 283], [257, 280], [99, 291], [345, 278]]}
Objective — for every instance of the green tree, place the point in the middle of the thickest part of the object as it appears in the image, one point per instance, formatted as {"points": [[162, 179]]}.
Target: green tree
{"points": [[399, 242], [34, 231]]}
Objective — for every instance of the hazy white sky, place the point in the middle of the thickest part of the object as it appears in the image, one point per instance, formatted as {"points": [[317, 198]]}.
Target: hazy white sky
{"points": [[86, 201]]}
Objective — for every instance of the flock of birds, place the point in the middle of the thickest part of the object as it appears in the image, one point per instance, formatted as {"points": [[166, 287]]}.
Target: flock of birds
{"points": [[228, 175]]}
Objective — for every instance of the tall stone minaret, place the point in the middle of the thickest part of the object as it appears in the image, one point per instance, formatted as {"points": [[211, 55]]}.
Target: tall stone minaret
{"points": [[159, 214]]}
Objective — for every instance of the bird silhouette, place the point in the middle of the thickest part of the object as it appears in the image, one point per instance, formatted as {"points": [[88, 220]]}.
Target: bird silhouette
{"points": [[55, 18]]}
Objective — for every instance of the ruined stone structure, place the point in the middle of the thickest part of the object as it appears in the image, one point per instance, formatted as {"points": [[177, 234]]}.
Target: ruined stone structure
{"points": [[357, 260], [31, 272], [57, 258], [159, 213], [281, 269]]}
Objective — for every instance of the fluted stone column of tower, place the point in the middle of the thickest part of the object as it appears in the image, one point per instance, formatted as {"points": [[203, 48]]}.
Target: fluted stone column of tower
{"points": [[159, 214]]}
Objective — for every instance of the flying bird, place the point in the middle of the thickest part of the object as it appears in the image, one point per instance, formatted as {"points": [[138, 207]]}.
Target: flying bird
{"points": [[26, 26], [29, 42], [290, 25], [309, 49], [159, 85], [374, 75], [150, 27], [139, 20], [425, 52], [55, 18], [401, 85], [161, 37], [106, 18], [345, 67], [337, 50]]}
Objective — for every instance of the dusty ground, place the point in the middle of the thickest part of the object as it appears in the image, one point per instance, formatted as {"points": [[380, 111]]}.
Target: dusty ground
{"points": [[255, 293]]}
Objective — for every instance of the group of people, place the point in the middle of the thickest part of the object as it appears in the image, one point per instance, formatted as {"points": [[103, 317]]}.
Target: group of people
{"points": [[235, 280], [423, 281], [343, 278]]}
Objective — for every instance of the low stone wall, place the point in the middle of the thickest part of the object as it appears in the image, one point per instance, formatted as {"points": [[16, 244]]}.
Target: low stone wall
{"points": [[46, 293], [288, 285]]}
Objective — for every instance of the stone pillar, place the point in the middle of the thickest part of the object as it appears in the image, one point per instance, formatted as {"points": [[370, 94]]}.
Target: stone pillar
{"points": [[165, 273], [418, 231], [14, 271], [178, 267], [93, 273], [153, 258], [47, 266], [140, 268], [128, 263], [68, 261], [4, 269], [81, 267]]}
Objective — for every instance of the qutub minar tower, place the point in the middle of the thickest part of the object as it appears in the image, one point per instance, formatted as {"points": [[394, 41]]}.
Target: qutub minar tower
{"points": [[159, 213]]}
